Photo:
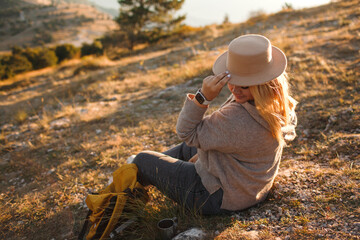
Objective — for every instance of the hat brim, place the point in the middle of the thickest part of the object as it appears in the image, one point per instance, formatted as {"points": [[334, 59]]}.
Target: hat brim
{"points": [[273, 70]]}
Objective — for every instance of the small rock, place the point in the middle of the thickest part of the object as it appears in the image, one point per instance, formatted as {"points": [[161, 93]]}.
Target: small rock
{"points": [[191, 234], [98, 131], [60, 123], [33, 118], [130, 159], [332, 119], [110, 180], [357, 225], [33, 126], [306, 132], [50, 171]]}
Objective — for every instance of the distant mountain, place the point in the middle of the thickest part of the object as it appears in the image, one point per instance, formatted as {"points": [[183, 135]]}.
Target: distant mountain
{"points": [[111, 11], [50, 22], [44, 2], [5, 5], [47, 2]]}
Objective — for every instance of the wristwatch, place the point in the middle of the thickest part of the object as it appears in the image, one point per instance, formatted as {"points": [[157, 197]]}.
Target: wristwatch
{"points": [[201, 98]]}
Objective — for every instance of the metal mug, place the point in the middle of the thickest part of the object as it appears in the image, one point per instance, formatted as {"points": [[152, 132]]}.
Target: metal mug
{"points": [[167, 228]]}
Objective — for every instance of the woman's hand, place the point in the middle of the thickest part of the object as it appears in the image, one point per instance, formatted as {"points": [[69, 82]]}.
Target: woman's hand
{"points": [[194, 158], [212, 85]]}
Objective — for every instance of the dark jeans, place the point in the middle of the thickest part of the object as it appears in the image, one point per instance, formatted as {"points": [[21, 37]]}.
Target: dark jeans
{"points": [[177, 178]]}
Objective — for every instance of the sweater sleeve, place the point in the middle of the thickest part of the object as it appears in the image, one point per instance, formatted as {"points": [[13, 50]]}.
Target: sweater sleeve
{"points": [[223, 130]]}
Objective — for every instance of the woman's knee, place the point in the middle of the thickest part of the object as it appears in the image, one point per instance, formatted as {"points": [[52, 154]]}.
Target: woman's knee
{"points": [[143, 162], [147, 159], [142, 158]]}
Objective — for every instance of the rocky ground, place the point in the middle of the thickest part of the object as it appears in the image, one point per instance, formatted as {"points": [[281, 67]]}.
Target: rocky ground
{"points": [[64, 130]]}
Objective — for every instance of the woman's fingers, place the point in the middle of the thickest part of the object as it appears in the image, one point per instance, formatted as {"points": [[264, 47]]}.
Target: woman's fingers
{"points": [[220, 80], [214, 80], [212, 85], [224, 80], [220, 77]]}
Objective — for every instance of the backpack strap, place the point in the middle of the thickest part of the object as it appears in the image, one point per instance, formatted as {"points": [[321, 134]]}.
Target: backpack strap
{"points": [[107, 218], [85, 226]]}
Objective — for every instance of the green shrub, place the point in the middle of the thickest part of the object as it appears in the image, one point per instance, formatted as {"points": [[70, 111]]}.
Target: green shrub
{"points": [[17, 50], [45, 58], [40, 57], [66, 51], [30, 54], [23, 60], [14, 64], [114, 39], [2, 71], [95, 48]]}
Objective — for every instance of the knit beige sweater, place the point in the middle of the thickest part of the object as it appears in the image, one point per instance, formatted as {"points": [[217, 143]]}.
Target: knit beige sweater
{"points": [[236, 151]]}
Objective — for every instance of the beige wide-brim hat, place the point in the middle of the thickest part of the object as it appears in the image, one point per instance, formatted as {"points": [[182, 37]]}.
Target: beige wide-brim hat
{"points": [[251, 60]]}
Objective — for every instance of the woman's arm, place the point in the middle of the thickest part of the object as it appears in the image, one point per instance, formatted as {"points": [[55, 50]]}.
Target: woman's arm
{"points": [[219, 131], [223, 130]]}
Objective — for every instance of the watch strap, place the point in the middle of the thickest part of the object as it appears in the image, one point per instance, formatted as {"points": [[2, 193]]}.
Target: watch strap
{"points": [[201, 98]]}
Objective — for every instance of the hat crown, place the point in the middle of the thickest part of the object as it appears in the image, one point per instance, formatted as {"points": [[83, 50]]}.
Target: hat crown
{"points": [[251, 60], [249, 54]]}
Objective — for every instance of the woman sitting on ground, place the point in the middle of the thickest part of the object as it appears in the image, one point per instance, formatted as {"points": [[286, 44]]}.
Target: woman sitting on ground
{"points": [[229, 159]]}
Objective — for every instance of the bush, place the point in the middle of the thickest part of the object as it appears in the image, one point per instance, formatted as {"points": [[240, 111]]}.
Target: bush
{"points": [[17, 50], [114, 39], [45, 58], [40, 57], [95, 48], [14, 64], [66, 51], [23, 60], [2, 71]]}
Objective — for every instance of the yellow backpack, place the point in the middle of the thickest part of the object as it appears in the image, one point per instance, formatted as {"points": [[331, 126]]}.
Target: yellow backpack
{"points": [[106, 208]]}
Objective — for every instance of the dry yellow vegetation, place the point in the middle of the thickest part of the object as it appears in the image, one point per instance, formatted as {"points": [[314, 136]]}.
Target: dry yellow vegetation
{"points": [[63, 130]]}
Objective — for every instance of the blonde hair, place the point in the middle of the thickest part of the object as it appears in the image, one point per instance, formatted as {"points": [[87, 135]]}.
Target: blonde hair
{"points": [[277, 107]]}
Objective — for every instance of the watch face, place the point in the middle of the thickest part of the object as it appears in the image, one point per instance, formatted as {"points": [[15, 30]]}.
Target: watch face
{"points": [[199, 98]]}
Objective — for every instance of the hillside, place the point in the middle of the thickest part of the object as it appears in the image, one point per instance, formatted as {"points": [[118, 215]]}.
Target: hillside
{"points": [[64, 130], [35, 22]]}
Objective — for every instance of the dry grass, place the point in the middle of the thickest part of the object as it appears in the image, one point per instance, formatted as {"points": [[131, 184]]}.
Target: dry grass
{"points": [[63, 132]]}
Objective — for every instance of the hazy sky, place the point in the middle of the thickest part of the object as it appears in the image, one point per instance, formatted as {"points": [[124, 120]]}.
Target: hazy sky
{"points": [[203, 12]]}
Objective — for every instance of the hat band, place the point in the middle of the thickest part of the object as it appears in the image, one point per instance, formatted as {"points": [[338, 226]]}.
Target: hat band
{"points": [[245, 65]]}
